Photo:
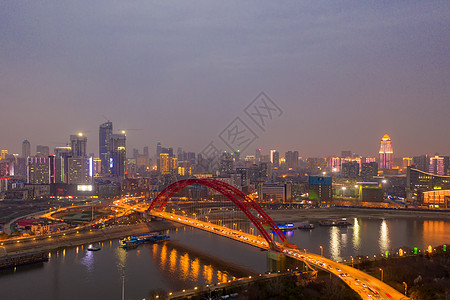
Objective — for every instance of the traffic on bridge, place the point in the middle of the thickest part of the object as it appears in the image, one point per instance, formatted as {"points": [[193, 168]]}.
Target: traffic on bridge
{"points": [[201, 215]]}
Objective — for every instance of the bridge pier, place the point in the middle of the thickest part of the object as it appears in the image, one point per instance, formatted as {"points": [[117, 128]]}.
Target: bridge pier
{"points": [[279, 262]]}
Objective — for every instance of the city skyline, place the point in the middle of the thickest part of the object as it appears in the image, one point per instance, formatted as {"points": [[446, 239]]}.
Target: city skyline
{"points": [[343, 74], [251, 151]]}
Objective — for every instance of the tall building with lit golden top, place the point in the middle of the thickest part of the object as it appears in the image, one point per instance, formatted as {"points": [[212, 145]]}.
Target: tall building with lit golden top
{"points": [[386, 153]]}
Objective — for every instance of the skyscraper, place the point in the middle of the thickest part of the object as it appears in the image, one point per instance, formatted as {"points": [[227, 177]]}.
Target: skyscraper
{"points": [[386, 153], [158, 149], [164, 163], [26, 149], [104, 138], [42, 151], [276, 159], [118, 155], [292, 159], [78, 145], [271, 155], [438, 165]]}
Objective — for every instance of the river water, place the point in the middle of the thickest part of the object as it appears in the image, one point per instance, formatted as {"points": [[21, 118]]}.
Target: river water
{"points": [[75, 273]]}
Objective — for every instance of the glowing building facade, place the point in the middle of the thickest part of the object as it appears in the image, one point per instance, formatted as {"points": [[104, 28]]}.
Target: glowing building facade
{"points": [[386, 153]]}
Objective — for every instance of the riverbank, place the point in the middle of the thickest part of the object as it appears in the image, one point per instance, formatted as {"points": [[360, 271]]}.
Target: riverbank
{"points": [[83, 237], [314, 214]]}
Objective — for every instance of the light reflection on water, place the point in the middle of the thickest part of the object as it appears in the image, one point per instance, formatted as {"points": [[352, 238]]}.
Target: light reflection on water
{"points": [[384, 241], [185, 266], [356, 235], [372, 236], [80, 274]]}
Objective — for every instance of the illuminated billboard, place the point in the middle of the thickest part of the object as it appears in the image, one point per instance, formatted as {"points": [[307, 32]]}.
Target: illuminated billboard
{"points": [[84, 187]]}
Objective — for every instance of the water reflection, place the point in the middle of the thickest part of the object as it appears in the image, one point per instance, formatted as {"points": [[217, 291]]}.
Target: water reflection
{"points": [[435, 231], [356, 235], [334, 243], [384, 241], [184, 266], [88, 261], [152, 266]]}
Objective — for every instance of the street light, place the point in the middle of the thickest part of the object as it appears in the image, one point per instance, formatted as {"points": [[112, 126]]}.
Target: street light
{"points": [[406, 287], [321, 250], [381, 274]]}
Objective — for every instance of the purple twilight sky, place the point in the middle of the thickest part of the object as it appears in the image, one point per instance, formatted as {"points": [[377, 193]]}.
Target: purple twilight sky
{"points": [[344, 73]]}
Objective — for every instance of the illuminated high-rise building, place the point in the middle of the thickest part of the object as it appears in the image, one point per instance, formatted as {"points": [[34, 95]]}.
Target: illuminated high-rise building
{"points": [[26, 149], [38, 170], [4, 153], [78, 145], [164, 163], [438, 165], [386, 153], [158, 149], [271, 155], [62, 155], [276, 159], [79, 170], [118, 155], [104, 139]]}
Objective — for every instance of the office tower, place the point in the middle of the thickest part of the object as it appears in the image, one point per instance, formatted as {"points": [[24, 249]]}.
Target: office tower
{"points": [[369, 170], [158, 148], [4, 153], [320, 189], [118, 155], [78, 145], [104, 139], [245, 176], [438, 165], [146, 151], [42, 151], [350, 169], [421, 162], [271, 155], [173, 164], [191, 158], [226, 164], [164, 163], [386, 153], [79, 170], [334, 164], [26, 149], [292, 159], [167, 150], [370, 159], [38, 170], [62, 155], [258, 155], [276, 159], [135, 153]]}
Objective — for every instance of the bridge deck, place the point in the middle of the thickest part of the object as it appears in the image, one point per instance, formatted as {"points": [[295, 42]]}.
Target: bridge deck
{"points": [[365, 285]]}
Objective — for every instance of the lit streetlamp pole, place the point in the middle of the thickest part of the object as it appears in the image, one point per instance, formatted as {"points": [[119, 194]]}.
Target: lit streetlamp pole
{"points": [[381, 274], [321, 250], [406, 287]]}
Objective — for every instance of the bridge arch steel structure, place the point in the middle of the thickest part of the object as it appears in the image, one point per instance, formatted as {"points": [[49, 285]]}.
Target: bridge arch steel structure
{"points": [[241, 200]]}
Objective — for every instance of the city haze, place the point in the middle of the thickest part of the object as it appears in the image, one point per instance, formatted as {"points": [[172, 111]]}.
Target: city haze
{"points": [[344, 73]]}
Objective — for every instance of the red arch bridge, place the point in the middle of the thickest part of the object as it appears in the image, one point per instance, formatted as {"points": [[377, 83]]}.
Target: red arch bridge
{"points": [[352, 277]]}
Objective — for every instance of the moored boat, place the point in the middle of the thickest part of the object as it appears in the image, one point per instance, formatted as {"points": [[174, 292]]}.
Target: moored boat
{"points": [[336, 222], [305, 225], [135, 240], [285, 226]]}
